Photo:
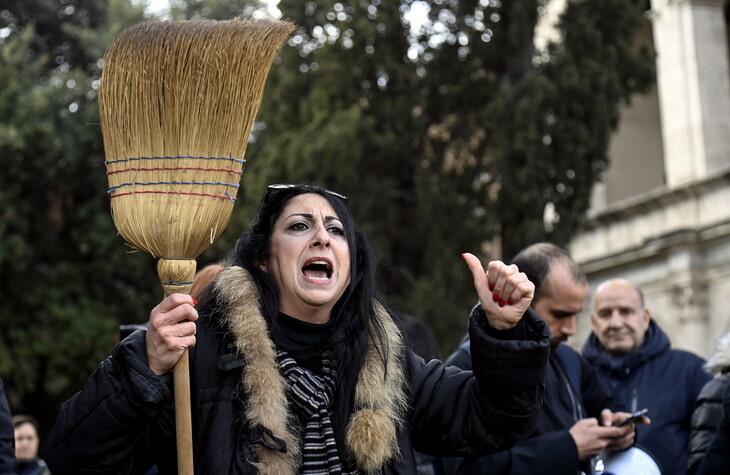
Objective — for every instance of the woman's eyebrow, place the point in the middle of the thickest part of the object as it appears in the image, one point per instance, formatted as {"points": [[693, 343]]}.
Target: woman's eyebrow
{"points": [[311, 216], [304, 215]]}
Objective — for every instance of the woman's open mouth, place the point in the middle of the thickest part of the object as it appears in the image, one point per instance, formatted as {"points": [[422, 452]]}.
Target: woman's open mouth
{"points": [[318, 269]]}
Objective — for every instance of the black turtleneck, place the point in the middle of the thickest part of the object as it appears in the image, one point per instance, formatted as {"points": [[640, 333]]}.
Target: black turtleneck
{"points": [[304, 341]]}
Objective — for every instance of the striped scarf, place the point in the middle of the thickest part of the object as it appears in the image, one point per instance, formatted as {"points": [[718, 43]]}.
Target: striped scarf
{"points": [[311, 396]]}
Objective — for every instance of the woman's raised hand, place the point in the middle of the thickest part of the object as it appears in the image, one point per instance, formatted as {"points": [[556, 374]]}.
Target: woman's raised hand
{"points": [[505, 293], [171, 329]]}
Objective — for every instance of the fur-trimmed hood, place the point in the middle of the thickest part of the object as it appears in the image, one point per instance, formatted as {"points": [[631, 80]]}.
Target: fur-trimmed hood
{"points": [[380, 399]]}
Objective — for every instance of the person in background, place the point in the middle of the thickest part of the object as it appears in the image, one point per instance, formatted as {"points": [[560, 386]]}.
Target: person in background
{"points": [[27, 443], [574, 427], [420, 338], [297, 366], [7, 438], [203, 280], [717, 459], [708, 408], [634, 355]]}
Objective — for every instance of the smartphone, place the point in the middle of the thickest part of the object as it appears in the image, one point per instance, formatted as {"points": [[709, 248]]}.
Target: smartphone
{"points": [[633, 417]]}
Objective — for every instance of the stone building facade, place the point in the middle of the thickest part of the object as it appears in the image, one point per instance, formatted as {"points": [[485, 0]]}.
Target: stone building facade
{"points": [[661, 216]]}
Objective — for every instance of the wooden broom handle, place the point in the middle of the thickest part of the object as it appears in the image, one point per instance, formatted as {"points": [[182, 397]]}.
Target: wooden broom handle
{"points": [[176, 276], [183, 417]]}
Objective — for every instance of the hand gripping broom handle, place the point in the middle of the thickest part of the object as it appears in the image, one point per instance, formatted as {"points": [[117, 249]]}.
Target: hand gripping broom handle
{"points": [[176, 276]]}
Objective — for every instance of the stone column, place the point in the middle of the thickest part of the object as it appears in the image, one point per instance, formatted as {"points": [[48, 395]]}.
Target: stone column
{"points": [[690, 39]]}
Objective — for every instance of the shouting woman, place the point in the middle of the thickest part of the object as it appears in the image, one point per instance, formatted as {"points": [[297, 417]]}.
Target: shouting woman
{"points": [[297, 366]]}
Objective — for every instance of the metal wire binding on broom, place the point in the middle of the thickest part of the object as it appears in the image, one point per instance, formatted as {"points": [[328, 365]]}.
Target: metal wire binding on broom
{"points": [[172, 283]]}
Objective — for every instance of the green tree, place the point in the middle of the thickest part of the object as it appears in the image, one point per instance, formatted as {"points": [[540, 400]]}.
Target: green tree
{"points": [[65, 278], [538, 122], [558, 118], [216, 9]]}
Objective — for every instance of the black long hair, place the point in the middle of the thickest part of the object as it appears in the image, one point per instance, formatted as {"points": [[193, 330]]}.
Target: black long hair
{"points": [[353, 314]]}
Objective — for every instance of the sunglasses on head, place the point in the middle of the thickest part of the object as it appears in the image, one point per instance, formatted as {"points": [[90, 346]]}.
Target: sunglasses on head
{"points": [[285, 186]]}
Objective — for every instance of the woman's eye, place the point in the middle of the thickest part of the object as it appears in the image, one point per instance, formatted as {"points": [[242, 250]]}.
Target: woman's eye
{"points": [[337, 230], [298, 226]]}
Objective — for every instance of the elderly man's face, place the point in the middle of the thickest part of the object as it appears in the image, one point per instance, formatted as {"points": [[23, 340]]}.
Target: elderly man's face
{"points": [[619, 320]]}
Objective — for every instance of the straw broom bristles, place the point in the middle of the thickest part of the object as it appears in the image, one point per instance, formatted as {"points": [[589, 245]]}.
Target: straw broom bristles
{"points": [[176, 104], [181, 90]]}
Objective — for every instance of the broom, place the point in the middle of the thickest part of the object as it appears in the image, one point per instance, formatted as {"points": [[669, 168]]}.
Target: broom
{"points": [[177, 102]]}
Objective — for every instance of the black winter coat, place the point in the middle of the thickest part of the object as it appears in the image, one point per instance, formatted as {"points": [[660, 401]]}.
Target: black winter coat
{"points": [[717, 459], [705, 420], [550, 449], [122, 421]]}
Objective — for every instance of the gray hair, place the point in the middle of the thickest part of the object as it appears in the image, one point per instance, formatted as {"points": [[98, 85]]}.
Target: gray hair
{"points": [[719, 362]]}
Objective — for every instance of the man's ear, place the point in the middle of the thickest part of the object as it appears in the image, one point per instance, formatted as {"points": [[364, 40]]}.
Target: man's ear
{"points": [[647, 318]]}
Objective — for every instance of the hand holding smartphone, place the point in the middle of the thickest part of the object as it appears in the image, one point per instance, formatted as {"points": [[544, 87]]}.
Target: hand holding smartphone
{"points": [[633, 417]]}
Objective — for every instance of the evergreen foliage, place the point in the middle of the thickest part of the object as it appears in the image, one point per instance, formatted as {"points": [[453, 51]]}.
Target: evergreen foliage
{"points": [[66, 279]]}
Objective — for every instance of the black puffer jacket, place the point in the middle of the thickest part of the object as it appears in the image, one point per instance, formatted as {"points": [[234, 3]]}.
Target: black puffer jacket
{"points": [[708, 409], [705, 420], [717, 458], [122, 421]]}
